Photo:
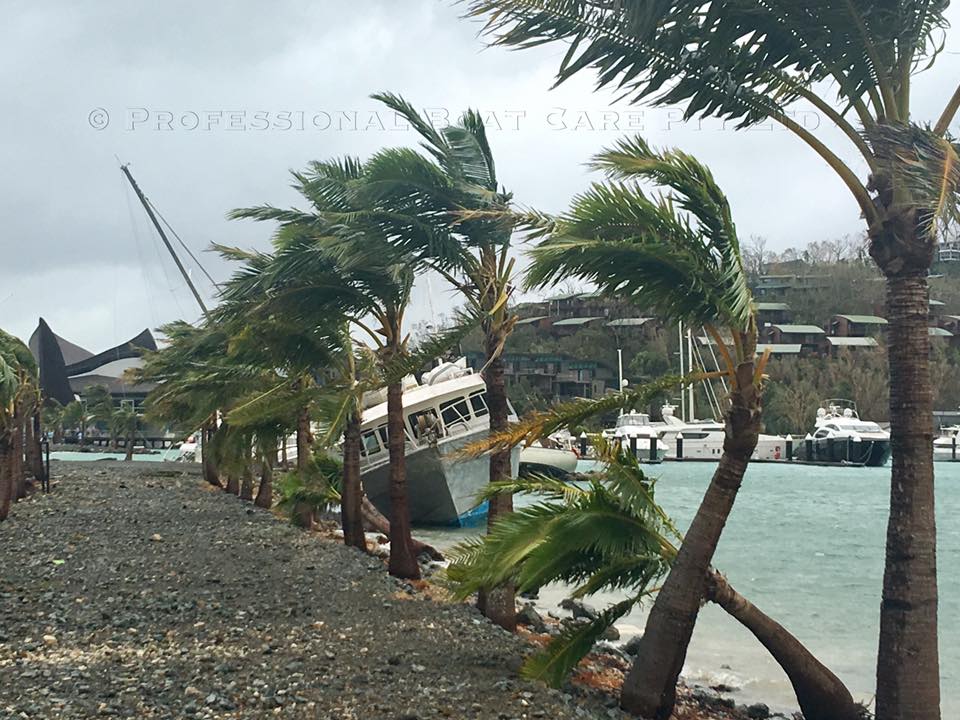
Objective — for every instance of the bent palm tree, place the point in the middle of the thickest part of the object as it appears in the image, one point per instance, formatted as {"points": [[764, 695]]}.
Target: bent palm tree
{"points": [[447, 211], [749, 60], [677, 253], [612, 536]]}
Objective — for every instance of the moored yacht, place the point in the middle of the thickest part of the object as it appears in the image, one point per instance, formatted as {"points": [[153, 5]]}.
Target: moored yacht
{"points": [[703, 439], [634, 429], [841, 436], [444, 413]]}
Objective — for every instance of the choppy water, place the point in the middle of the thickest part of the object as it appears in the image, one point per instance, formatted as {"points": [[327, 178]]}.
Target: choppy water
{"points": [[806, 545]]}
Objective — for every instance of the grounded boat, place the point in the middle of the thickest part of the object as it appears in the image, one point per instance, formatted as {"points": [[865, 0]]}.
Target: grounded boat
{"points": [[703, 439], [443, 414], [555, 462], [842, 437]]}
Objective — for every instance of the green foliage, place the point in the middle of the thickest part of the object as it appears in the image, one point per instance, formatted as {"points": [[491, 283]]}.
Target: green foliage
{"points": [[315, 487], [606, 534], [676, 252]]}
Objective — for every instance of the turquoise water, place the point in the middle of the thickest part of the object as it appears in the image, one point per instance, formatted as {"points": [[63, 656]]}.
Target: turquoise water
{"points": [[804, 544], [157, 456]]}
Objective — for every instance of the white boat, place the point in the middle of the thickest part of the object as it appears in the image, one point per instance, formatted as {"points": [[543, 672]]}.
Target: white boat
{"points": [[552, 461], [840, 436], [443, 414], [943, 446], [703, 439], [633, 429]]}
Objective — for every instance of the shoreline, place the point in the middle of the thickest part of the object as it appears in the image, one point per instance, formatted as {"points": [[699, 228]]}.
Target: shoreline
{"points": [[175, 600]]}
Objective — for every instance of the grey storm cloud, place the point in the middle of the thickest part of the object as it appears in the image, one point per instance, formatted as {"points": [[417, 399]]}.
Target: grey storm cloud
{"points": [[213, 103]]}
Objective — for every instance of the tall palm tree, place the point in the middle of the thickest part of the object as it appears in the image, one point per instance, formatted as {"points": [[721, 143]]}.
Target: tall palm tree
{"points": [[678, 253], [446, 209], [747, 61], [333, 259]]}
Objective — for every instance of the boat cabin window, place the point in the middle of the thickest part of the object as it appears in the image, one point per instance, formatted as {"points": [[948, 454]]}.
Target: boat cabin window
{"points": [[633, 419], [478, 401], [455, 411], [422, 421], [690, 435], [373, 441], [821, 433]]}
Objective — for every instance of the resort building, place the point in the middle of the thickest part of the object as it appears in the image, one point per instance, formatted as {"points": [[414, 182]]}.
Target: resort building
{"points": [[808, 337], [67, 370], [859, 326], [555, 377]]}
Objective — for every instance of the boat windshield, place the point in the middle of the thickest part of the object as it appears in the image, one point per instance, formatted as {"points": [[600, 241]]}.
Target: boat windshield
{"points": [[633, 419], [863, 427]]}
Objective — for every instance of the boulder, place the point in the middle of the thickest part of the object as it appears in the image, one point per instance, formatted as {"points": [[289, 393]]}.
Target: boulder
{"points": [[527, 615], [578, 609]]}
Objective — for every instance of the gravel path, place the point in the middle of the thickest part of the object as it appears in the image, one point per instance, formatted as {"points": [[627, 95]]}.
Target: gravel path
{"points": [[135, 591]]}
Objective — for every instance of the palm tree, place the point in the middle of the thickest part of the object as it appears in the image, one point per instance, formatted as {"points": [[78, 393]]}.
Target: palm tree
{"points": [[101, 409], [332, 260], [448, 212], [747, 61], [612, 536], [677, 253], [19, 395]]}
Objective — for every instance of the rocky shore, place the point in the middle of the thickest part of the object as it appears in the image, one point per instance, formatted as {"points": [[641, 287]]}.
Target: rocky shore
{"points": [[135, 591]]}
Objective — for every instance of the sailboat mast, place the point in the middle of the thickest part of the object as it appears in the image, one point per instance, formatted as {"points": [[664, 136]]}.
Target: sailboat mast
{"points": [[163, 236], [683, 394], [692, 386]]}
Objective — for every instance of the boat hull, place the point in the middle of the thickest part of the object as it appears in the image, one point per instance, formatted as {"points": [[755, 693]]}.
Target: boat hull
{"points": [[551, 462], [441, 486], [869, 453]]}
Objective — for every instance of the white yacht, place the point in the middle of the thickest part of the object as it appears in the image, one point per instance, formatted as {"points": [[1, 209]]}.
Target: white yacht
{"points": [[703, 439], [548, 458], [635, 428], [442, 414], [841, 436]]}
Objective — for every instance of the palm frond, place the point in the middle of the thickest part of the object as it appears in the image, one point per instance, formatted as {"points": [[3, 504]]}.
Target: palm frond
{"points": [[538, 425], [553, 664]]}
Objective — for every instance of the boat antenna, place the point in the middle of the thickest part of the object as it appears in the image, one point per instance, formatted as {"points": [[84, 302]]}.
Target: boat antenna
{"points": [[163, 236]]}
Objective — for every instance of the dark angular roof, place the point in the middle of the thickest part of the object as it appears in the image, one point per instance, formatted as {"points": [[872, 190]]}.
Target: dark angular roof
{"points": [[61, 362]]}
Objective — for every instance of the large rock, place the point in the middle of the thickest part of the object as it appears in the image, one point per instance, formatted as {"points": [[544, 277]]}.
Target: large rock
{"points": [[578, 609], [758, 711], [632, 646], [527, 615]]}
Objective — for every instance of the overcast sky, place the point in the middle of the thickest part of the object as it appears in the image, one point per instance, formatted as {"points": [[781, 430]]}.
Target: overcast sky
{"points": [[213, 103]]}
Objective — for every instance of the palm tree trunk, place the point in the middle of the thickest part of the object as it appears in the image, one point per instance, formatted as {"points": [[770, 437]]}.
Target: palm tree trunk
{"points": [[304, 441], [39, 467], [403, 561], [233, 483], [350, 496], [16, 462], [304, 515], [908, 675], [820, 693], [6, 478], [498, 604], [651, 685], [210, 473], [375, 521], [129, 455], [246, 484], [265, 491]]}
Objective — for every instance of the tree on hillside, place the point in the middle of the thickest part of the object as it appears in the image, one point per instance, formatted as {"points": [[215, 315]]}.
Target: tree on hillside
{"points": [[747, 61]]}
